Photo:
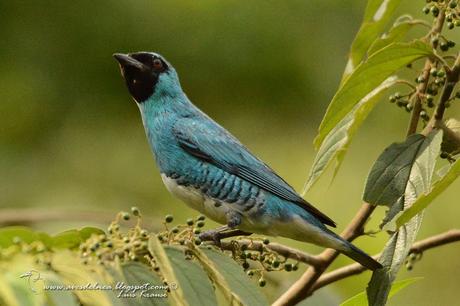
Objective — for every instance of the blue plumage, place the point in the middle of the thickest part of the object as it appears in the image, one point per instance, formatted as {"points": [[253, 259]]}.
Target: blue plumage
{"points": [[209, 169]]}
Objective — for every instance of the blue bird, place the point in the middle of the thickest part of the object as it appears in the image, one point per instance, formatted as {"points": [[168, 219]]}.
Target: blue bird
{"points": [[205, 166]]}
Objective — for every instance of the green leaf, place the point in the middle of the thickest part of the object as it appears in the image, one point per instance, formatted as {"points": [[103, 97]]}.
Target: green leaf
{"points": [[376, 16], [137, 274], [388, 177], [71, 271], [73, 238], [192, 279], [337, 141], [425, 199], [361, 300], [230, 278], [58, 297], [192, 282], [366, 77], [156, 250], [395, 34], [397, 248], [9, 234]]}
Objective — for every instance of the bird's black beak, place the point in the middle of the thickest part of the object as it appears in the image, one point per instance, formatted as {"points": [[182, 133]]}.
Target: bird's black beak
{"points": [[127, 61]]}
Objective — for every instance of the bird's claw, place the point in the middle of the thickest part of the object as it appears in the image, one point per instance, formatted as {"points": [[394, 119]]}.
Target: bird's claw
{"points": [[211, 235]]}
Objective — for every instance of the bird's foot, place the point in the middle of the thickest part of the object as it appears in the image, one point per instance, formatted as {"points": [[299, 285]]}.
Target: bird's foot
{"points": [[216, 235], [211, 235]]}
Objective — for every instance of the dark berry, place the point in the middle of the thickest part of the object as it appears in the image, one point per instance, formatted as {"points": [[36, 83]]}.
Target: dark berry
{"points": [[135, 211], [169, 218]]}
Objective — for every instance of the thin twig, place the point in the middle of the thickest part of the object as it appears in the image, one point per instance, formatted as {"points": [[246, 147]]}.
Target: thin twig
{"points": [[418, 247], [421, 88]]}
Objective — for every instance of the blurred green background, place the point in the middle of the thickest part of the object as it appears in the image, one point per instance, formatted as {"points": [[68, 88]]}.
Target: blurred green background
{"points": [[71, 138]]}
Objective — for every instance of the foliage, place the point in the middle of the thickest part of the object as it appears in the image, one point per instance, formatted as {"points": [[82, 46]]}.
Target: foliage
{"points": [[185, 270], [132, 266]]}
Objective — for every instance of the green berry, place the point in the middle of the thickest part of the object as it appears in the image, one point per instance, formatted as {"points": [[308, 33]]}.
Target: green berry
{"points": [[266, 241], [434, 72], [262, 282], [169, 218], [435, 11], [276, 263], [426, 10], [453, 4], [444, 46], [135, 211], [125, 216], [190, 222], [440, 74]]}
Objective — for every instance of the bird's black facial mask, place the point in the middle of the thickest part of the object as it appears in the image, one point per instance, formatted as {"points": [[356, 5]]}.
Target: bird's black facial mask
{"points": [[141, 71]]}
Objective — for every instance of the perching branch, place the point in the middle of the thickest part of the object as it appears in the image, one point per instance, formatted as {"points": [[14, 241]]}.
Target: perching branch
{"points": [[419, 247], [280, 249], [302, 288]]}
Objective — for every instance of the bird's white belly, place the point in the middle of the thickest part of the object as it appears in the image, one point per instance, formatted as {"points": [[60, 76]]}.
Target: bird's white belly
{"points": [[197, 200], [296, 228]]}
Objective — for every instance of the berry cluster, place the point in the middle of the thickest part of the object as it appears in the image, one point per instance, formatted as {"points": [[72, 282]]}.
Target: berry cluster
{"points": [[411, 259], [130, 245], [451, 7], [267, 259]]}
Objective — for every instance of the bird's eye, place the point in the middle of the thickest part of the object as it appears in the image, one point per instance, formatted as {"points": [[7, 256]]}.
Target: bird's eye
{"points": [[157, 64]]}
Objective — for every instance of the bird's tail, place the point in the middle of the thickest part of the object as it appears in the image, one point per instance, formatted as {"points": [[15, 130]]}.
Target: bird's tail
{"points": [[357, 254]]}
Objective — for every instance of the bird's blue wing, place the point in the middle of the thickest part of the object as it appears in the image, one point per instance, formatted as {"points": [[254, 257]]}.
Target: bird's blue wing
{"points": [[206, 140]]}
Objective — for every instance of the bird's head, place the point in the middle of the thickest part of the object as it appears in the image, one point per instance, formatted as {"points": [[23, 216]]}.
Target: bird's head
{"points": [[147, 75]]}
